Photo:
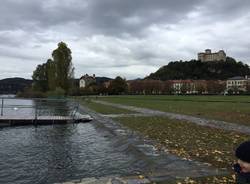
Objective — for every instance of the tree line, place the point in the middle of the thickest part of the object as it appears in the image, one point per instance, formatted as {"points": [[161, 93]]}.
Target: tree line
{"points": [[117, 86], [120, 86], [157, 87]]}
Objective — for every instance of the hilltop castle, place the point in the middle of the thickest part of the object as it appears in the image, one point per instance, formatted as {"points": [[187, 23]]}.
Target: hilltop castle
{"points": [[208, 56]]}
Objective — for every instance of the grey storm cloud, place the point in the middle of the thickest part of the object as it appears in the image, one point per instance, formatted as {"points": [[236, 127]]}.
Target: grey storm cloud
{"points": [[133, 37], [103, 17]]}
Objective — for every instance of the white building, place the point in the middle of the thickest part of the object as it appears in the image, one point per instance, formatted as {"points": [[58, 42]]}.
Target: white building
{"points": [[238, 83], [86, 80], [189, 86]]}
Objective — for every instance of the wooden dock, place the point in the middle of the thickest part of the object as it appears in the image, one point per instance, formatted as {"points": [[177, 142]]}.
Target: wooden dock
{"points": [[42, 120], [39, 107]]}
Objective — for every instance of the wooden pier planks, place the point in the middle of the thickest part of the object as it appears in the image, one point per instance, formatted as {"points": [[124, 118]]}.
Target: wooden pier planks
{"points": [[41, 120]]}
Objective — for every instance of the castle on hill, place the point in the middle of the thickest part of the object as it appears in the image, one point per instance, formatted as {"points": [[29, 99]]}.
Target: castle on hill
{"points": [[208, 56]]}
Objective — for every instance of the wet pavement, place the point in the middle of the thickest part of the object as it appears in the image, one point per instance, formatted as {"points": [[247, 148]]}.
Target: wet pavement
{"points": [[199, 121], [158, 165]]}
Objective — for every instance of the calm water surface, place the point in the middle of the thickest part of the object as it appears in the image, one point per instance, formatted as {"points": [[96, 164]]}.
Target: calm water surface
{"points": [[59, 153]]}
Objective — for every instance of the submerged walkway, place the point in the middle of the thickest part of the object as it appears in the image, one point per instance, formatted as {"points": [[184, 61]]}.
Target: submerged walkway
{"points": [[157, 165], [199, 121]]}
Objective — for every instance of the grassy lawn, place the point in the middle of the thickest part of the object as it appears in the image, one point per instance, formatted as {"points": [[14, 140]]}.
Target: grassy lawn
{"points": [[190, 141], [185, 139], [235, 109], [104, 109]]}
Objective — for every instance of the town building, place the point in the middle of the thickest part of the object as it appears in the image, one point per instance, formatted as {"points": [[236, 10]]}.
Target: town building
{"points": [[208, 56], [198, 86], [183, 85], [238, 83], [86, 80]]}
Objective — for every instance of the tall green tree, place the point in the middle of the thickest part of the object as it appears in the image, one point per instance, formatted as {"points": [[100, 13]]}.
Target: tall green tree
{"points": [[56, 73], [40, 78], [51, 74], [63, 66]]}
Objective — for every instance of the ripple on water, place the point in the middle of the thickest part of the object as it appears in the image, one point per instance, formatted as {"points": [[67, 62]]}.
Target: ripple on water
{"points": [[50, 154]]}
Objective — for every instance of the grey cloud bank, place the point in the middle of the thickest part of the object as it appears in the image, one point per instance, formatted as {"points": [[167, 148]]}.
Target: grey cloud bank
{"points": [[130, 38]]}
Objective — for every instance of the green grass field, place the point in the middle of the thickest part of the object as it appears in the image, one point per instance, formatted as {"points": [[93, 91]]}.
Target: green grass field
{"points": [[185, 139], [191, 141], [104, 109], [235, 109], [188, 140]]}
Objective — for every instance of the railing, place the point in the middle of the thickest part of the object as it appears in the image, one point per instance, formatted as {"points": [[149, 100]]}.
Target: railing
{"points": [[43, 106]]}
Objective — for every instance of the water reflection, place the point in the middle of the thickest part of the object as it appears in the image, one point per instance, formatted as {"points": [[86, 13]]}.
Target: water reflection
{"points": [[58, 153], [54, 107], [51, 154]]}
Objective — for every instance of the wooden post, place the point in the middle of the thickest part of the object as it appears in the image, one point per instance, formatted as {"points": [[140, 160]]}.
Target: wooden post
{"points": [[2, 108]]}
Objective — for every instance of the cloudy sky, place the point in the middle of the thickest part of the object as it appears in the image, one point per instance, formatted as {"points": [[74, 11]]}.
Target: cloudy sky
{"points": [[130, 38]]}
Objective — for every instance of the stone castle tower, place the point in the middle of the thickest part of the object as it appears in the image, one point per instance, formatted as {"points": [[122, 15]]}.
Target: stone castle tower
{"points": [[208, 56]]}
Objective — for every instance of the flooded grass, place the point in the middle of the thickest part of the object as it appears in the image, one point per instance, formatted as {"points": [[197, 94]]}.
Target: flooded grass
{"points": [[233, 109], [104, 109], [190, 141]]}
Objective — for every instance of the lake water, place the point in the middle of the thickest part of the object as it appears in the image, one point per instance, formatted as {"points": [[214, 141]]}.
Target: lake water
{"points": [[59, 153]]}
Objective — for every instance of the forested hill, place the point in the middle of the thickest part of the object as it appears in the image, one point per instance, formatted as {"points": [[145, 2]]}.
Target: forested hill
{"points": [[13, 85], [201, 70]]}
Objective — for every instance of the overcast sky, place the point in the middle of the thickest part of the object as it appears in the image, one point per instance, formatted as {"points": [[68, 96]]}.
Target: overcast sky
{"points": [[130, 38]]}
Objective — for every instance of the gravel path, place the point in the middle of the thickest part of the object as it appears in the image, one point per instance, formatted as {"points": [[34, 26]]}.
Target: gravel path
{"points": [[199, 121]]}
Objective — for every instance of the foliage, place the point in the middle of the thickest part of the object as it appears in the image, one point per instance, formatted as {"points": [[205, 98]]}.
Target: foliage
{"points": [[118, 86], [89, 90], [51, 73], [14, 85], [30, 93], [148, 86], [63, 66], [215, 87], [40, 78], [201, 70], [56, 73], [200, 87], [58, 92]]}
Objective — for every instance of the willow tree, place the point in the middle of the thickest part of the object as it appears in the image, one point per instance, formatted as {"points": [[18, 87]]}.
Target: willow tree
{"points": [[64, 70]]}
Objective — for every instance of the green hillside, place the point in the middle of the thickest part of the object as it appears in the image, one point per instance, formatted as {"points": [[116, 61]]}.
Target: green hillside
{"points": [[201, 70]]}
